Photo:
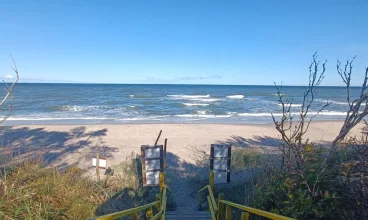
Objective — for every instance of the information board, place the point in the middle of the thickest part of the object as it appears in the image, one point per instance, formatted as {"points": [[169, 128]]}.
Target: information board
{"points": [[220, 162], [152, 164]]}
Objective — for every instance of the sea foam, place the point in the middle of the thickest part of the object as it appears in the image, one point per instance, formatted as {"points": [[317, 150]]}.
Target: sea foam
{"points": [[195, 104], [235, 96]]}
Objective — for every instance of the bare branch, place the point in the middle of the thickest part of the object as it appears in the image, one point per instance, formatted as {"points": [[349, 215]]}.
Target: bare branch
{"points": [[9, 93]]}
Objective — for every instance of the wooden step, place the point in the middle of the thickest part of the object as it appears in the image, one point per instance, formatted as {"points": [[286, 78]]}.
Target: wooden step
{"points": [[200, 215]]}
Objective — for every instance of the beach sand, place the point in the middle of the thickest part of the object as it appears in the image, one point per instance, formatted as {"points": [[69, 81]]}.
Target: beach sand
{"points": [[65, 145]]}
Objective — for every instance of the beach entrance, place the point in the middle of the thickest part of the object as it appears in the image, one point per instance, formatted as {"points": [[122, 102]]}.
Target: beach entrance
{"points": [[181, 194]]}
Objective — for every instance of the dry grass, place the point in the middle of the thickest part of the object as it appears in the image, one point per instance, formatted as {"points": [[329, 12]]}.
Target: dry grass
{"points": [[29, 191]]}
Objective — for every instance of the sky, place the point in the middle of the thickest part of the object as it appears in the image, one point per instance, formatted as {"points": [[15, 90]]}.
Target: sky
{"points": [[181, 41]]}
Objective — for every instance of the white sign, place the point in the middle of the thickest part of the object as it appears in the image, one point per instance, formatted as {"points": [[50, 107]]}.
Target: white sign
{"points": [[152, 152], [220, 150], [220, 161], [152, 164], [152, 178], [101, 164]]}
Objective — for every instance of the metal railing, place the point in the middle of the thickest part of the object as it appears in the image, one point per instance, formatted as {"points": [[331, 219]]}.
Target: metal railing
{"points": [[160, 206], [217, 209]]}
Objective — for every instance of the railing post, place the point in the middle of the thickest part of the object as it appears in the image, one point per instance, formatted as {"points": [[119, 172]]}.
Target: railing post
{"points": [[212, 181], [245, 216], [158, 205], [149, 213], [162, 181], [220, 206], [228, 212], [134, 216]]}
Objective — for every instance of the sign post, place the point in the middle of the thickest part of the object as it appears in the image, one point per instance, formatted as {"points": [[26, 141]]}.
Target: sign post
{"points": [[152, 158], [98, 162], [220, 162]]}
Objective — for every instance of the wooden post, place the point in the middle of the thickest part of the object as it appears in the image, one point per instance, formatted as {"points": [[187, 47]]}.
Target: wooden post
{"points": [[162, 181], [158, 138], [149, 213], [143, 162], [158, 198], [245, 216], [212, 181], [164, 159], [220, 206], [134, 216], [98, 167], [228, 212]]}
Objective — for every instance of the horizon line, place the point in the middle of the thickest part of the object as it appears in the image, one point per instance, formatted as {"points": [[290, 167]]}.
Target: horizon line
{"points": [[192, 84]]}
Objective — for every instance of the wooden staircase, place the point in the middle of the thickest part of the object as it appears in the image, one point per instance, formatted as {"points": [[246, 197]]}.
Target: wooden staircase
{"points": [[186, 215]]}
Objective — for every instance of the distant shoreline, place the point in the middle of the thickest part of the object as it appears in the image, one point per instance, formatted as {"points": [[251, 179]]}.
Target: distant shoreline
{"points": [[113, 122]]}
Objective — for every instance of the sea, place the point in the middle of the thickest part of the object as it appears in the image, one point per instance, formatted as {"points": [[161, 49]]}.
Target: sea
{"points": [[46, 103]]}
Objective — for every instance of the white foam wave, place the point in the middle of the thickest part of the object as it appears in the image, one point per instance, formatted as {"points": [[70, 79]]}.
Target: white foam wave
{"points": [[235, 96], [140, 96], [78, 108], [202, 116], [281, 94], [265, 114], [332, 102], [255, 114], [202, 112], [195, 104], [292, 105], [188, 96], [56, 118], [206, 100]]}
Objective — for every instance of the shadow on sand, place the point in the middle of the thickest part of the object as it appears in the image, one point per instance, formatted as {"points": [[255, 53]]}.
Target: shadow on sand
{"points": [[54, 147], [256, 141], [183, 179]]}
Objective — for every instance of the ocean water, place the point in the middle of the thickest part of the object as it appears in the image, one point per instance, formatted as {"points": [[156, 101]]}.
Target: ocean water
{"points": [[97, 103]]}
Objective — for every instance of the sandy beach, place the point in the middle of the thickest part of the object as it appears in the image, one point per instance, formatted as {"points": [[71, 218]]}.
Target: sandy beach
{"points": [[64, 145]]}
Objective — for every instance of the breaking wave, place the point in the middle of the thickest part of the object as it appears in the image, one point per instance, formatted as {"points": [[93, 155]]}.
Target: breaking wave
{"points": [[235, 96]]}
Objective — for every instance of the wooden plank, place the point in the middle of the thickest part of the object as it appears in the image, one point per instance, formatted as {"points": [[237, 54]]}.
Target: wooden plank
{"points": [[127, 212], [245, 216], [220, 206], [211, 157], [228, 212], [158, 138], [165, 145], [143, 162], [134, 216], [98, 167], [256, 211], [149, 213], [213, 215]]}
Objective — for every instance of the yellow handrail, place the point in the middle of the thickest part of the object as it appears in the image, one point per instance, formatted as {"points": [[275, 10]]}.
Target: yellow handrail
{"points": [[127, 212], [160, 206], [259, 212], [214, 209]]}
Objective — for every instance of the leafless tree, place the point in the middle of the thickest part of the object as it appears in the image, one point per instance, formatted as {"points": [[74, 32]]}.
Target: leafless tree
{"points": [[293, 126], [6, 103], [358, 108]]}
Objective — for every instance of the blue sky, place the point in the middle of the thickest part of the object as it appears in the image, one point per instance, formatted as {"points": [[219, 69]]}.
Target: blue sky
{"points": [[181, 41]]}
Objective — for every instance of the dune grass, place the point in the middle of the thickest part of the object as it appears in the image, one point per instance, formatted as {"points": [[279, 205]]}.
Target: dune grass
{"points": [[30, 191]]}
